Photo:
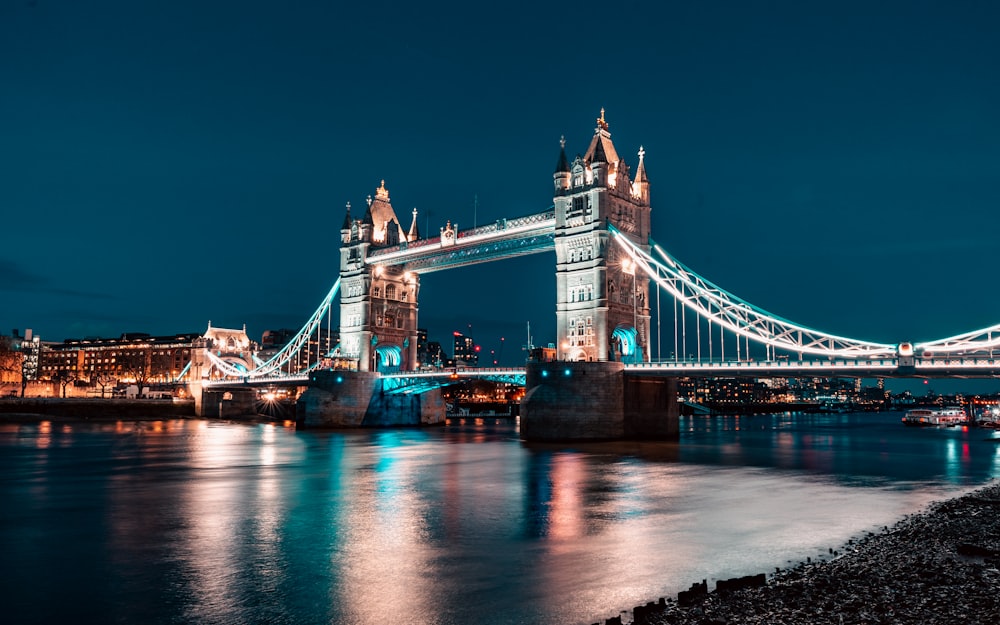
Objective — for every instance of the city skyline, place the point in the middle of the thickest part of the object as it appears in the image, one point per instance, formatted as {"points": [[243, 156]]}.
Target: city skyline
{"points": [[166, 167]]}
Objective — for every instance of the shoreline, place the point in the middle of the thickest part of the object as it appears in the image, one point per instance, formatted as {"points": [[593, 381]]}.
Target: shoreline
{"points": [[939, 565]]}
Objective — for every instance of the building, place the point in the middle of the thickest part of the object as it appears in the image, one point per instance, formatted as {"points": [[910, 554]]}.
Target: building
{"points": [[319, 345], [132, 357], [602, 297], [29, 346], [378, 303], [466, 351]]}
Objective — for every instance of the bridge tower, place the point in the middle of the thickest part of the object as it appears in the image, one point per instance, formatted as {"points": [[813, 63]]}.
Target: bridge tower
{"points": [[378, 304], [602, 301], [602, 310]]}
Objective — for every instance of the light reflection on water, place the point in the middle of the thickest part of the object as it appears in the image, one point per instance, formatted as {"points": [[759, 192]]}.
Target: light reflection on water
{"points": [[197, 521]]}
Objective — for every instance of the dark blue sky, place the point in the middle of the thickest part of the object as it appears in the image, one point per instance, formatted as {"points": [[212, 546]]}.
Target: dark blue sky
{"points": [[166, 164]]}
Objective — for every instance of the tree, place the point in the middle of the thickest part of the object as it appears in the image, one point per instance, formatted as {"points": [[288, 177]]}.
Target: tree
{"points": [[103, 380], [64, 378], [135, 364], [10, 360]]}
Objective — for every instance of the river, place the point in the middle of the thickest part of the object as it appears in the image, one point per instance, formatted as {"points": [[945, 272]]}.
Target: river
{"points": [[196, 521]]}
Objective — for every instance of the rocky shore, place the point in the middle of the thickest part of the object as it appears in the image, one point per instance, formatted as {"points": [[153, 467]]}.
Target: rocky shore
{"points": [[941, 566]]}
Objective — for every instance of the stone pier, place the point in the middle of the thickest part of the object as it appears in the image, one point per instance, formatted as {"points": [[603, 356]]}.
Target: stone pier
{"points": [[346, 399], [226, 403], [567, 401]]}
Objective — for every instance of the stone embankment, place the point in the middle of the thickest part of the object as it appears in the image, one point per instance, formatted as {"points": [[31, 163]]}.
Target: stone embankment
{"points": [[30, 409], [941, 566]]}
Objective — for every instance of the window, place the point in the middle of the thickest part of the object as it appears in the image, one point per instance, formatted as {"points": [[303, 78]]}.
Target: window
{"points": [[390, 291]]}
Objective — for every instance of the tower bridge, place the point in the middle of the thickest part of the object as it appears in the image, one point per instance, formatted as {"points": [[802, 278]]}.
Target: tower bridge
{"points": [[606, 382]]}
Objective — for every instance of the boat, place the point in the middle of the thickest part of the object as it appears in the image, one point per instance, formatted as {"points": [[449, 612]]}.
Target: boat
{"points": [[949, 417]]}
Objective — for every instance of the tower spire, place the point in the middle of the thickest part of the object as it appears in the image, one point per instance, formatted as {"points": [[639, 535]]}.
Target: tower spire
{"points": [[601, 123], [347, 218], [640, 186], [414, 233], [563, 164]]}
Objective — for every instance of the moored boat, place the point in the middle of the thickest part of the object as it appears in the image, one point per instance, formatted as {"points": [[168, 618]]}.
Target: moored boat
{"points": [[950, 416]]}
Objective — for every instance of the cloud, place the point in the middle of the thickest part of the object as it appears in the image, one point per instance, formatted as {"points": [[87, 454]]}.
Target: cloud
{"points": [[14, 278]]}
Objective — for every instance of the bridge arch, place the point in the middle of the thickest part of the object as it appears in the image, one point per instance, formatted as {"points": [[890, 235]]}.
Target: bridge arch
{"points": [[388, 358], [625, 344]]}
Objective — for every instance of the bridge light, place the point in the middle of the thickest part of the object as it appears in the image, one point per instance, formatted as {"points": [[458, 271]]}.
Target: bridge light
{"points": [[340, 379], [545, 373], [566, 372]]}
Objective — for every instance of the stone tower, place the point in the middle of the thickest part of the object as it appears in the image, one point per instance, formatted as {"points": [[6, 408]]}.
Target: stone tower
{"points": [[602, 302], [378, 304]]}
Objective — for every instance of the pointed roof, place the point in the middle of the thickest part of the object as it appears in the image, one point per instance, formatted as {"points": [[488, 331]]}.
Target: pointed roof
{"points": [[367, 219], [347, 218], [563, 165], [414, 233], [381, 213], [640, 171], [601, 149]]}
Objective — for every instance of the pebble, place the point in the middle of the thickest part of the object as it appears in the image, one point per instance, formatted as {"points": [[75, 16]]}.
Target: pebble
{"points": [[939, 566]]}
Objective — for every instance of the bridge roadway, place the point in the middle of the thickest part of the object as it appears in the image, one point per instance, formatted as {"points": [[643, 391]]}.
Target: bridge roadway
{"points": [[418, 381]]}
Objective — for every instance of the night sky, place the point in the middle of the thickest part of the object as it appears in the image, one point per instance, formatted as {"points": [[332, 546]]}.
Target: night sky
{"points": [[166, 164]]}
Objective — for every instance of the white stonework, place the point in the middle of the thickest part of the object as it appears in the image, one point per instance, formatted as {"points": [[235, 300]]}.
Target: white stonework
{"points": [[378, 305], [597, 292]]}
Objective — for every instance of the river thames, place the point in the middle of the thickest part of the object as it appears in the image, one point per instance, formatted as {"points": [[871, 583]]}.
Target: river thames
{"points": [[193, 521]]}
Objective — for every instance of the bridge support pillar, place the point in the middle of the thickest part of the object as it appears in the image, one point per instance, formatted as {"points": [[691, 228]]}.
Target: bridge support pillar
{"points": [[197, 392], [227, 403], [350, 399], [596, 401]]}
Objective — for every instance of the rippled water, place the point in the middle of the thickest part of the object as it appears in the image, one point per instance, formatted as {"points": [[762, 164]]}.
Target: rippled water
{"points": [[206, 522]]}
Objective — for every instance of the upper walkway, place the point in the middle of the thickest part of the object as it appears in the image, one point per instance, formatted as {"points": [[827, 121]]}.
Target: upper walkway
{"points": [[505, 238]]}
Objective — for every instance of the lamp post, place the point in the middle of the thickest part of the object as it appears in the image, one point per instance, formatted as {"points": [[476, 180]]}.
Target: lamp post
{"points": [[659, 355]]}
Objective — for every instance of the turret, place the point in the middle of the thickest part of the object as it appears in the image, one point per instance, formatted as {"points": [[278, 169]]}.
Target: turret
{"points": [[345, 229], [561, 177], [414, 233], [367, 223], [640, 186]]}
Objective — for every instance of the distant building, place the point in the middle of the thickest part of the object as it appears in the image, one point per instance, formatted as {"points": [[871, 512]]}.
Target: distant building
{"points": [[466, 350], [319, 345], [28, 346], [437, 357], [430, 354]]}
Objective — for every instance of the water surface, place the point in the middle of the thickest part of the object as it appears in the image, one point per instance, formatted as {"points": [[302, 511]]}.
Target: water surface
{"points": [[194, 521]]}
